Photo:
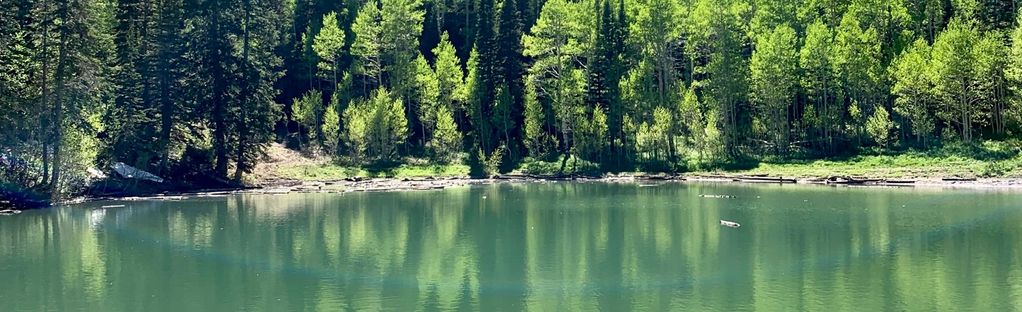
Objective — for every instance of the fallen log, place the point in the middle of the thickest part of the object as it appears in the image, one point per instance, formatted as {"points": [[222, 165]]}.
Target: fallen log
{"points": [[958, 179], [761, 179]]}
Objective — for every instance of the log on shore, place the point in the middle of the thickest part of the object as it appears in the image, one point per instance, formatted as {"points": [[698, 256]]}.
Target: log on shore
{"points": [[957, 179], [759, 179]]}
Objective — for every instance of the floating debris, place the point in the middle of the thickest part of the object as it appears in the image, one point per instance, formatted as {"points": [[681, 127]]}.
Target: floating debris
{"points": [[730, 224], [111, 206], [9, 212], [717, 196]]}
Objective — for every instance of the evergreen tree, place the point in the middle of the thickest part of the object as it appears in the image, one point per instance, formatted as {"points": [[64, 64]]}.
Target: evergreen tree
{"points": [[509, 70], [486, 67], [604, 73]]}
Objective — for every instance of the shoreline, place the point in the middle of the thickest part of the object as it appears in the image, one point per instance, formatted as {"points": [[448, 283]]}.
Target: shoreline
{"points": [[356, 185]]}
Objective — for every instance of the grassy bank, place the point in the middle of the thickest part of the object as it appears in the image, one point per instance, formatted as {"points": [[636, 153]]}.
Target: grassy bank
{"points": [[910, 165], [329, 171], [987, 160]]}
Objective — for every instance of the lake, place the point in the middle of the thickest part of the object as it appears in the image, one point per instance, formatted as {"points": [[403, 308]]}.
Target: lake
{"points": [[517, 247]]}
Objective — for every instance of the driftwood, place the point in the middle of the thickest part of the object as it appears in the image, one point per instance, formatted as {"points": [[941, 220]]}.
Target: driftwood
{"points": [[958, 179], [899, 181], [764, 179], [844, 180], [730, 224]]}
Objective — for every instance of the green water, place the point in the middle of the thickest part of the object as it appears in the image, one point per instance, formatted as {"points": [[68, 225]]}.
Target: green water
{"points": [[537, 247]]}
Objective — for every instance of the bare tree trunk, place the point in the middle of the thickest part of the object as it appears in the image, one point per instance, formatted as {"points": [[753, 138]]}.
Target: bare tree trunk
{"points": [[44, 122]]}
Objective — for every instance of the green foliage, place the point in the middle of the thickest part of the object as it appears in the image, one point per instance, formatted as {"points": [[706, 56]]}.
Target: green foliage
{"points": [[913, 88], [491, 164], [367, 48], [963, 87], [400, 26], [694, 123], [331, 128], [718, 32], [654, 141], [376, 127], [825, 108], [774, 72], [652, 84], [591, 136], [450, 77], [331, 171], [538, 141], [1013, 75], [557, 42], [328, 45], [446, 142], [427, 89], [879, 127], [308, 111]]}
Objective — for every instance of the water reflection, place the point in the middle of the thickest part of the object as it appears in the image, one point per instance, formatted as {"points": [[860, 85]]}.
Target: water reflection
{"points": [[537, 247]]}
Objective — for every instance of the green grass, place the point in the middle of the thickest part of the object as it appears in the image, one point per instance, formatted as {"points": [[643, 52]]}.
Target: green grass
{"points": [[335, 172], [907, 165], [990, 159], [541, 167]]}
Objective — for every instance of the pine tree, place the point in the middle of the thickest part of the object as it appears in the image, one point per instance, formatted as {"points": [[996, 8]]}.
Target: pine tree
{"points": [[485, 81], [605, 72], [509, 72]]}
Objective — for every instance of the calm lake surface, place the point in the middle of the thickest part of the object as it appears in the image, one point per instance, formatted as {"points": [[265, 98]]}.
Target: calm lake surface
{"points": [[536, 247]]}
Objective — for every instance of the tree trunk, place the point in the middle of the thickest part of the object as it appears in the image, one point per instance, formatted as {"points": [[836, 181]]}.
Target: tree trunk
{"points": [[44, 122], [219, 90], [58, 103], [241, 166], [166, 103]]}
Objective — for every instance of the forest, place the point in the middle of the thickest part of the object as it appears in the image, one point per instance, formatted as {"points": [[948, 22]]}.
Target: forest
{"points": [[196, 90]]}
